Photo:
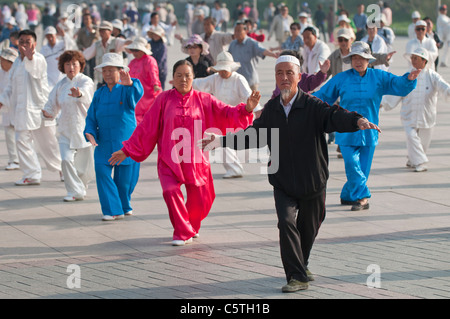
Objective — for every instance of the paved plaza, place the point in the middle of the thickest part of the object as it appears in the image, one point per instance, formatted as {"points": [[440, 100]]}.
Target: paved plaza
{"points": [[399, 249]]}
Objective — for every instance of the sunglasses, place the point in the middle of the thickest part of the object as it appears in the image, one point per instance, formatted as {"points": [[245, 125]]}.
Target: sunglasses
{"points": [[420, 29], [342, 39], [192, 47]]}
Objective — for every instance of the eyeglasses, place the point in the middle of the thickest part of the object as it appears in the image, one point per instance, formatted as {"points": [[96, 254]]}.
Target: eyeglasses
{"points": [[342, 39], [420, 29]]}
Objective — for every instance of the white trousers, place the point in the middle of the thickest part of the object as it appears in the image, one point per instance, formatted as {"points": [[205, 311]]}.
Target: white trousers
{"points": [[417, 142], [231, 162], [42, 141], [77, 167], [443, 55], [10, 139]]}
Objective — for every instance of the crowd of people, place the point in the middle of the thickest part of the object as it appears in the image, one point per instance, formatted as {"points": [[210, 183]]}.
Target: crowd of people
{"points": [[95, 101]]}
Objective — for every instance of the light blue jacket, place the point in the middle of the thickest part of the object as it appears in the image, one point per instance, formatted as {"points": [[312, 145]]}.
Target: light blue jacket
{"points": [[363, 94], [111, 119]]}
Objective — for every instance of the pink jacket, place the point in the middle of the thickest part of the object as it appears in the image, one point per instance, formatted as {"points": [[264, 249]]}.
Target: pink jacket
{"points": [[176, 122], [146, 70]]}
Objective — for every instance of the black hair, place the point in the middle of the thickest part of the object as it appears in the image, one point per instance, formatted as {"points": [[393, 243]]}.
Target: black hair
{"points": [[180, 63], [28, 32], [311, 29], [294, 53]]}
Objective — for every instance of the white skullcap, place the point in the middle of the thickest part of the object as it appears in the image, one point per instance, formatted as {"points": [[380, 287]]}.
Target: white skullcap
{"points": [[288, 58]]}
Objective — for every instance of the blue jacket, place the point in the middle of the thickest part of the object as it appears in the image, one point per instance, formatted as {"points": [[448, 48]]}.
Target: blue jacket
{"points": [[363, 94], [111, 119]]}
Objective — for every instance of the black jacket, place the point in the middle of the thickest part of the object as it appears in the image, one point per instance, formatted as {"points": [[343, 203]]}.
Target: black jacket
{"points": [[298, 148]]}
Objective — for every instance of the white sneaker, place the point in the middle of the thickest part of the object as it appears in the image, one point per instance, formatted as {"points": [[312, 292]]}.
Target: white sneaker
{"points": [[12, 166], [129, 213], [231, 175], [421, 168], [196, 236], [108, 218], [72, 198], [27, 182], [181, 242]]}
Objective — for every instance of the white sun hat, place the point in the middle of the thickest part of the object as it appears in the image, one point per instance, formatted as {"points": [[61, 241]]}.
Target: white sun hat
{"points": [[415, 15], [421, 52], [50, 30], [112, 59], [225, 62], [140, 44], [118, 24]]}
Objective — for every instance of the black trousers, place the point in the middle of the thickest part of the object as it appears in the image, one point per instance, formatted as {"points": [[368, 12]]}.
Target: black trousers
{"points": [[299, 221]]}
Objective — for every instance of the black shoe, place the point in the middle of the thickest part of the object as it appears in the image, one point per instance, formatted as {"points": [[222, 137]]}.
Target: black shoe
{"points": [[348, 202], [359, 206]]}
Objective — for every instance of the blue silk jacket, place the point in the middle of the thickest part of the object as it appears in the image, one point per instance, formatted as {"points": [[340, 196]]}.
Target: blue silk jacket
{"points": [[363, 94]]}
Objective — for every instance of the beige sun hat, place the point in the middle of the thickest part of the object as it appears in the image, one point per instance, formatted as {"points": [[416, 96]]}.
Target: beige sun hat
{"points": [[159, 31], [9, 54], [344, 33], [362, 49], [106, 25], [112, 59], [225, 62], [140, 44]]}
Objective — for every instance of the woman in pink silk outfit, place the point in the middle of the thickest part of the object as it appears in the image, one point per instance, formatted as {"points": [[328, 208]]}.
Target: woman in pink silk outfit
{"points": [[145, 68], [176, 121]]}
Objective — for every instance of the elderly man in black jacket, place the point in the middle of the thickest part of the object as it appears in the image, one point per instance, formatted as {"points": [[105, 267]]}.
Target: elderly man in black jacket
{"points": [[293, 126]]}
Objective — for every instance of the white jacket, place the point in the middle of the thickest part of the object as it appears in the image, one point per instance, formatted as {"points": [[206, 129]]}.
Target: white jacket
{"points": [[426, 43], [5, 110], [51, 56], [419, 107], [311, 58], [442, 27], [27, 92], [232, 91], [73, 110], [378, 46]]}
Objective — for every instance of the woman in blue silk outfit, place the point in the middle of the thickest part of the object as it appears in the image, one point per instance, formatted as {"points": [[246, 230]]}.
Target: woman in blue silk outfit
{"points": [[109, 122], [360, 89]]}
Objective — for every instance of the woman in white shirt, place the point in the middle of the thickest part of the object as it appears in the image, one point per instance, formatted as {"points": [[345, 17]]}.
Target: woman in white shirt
{"points": [[418, 112], [72, 97], [231, 88]]}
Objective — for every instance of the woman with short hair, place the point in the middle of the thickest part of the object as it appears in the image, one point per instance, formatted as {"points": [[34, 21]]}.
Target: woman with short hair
{"points": [[70, 99], [109, 122]]}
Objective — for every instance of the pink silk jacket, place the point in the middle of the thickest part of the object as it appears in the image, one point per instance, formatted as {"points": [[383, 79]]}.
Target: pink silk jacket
{"points": [[176, 122], [146, 70]]}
